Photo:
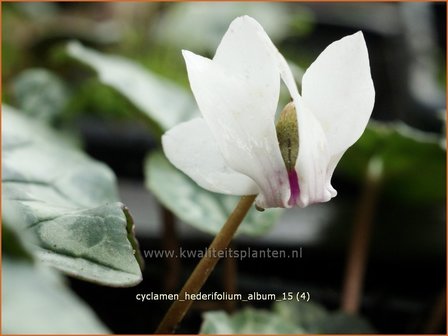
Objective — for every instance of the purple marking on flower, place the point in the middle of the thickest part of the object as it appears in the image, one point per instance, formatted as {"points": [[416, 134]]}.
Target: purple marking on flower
{"points": [[294, 186]]}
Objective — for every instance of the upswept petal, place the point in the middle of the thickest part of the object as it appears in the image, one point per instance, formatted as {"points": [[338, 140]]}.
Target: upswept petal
{"points": [[333, 111], [191, 148], [312, 163], [237, 94], [247, 50], [239, 113], [312, 167], [338, 89]]}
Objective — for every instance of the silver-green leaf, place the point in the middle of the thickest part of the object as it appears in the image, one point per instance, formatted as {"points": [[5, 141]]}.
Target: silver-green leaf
{"points": [[163, 101], [35, 300], [40, 93], [247, 321], [69, 202], [315, 319], [286, 317]]}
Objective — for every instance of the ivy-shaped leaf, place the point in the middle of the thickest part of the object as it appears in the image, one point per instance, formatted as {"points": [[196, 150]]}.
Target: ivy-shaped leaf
{"points": [[69, 202]]}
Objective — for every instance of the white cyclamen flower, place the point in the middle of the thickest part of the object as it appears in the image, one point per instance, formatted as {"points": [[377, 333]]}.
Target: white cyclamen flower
{"points": [[234, 148]]}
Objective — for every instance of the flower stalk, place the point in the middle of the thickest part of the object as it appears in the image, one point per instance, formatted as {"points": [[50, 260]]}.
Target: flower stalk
{"points": [[360, 241], [205, 267]]}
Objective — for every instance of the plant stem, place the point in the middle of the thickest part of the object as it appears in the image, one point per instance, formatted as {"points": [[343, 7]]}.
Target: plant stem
{"points": [[357, 254], [438, 314], [202, 271]]}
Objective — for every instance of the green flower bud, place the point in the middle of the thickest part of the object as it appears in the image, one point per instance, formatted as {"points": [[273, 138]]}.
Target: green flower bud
{"points": [[288, 135]]}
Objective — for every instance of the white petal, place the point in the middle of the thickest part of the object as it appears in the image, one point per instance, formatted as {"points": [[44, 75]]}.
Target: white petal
{"points": [[239, 113], [246, 50], [334, 160], [191, 148], [336, 103], [339, 91], [314, 165]]}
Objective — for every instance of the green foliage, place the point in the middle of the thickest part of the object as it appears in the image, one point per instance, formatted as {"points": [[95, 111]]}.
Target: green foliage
{"points": [[94, 99], [315, 319], [35, 300], [12, 55], [413, 162], [69, 202], [305, 315], [202, 209], [163, 102], [287, 317], [40, 93], [32, 294], [13, 245], [247, 321]]}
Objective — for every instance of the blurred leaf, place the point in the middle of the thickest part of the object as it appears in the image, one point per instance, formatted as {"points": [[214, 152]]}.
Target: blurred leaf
{"points": [[69, 201], [247, 321], [202, 209], [40, 93], [315, 319], [38, 11], [302, 22], [286, 317], [94, 99], [13, 241], [414, 161], [13, 56], [161, 100], [12, 246], [306, 315], [36, 301], [32, 295], [200, 26], [341, 323]]}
